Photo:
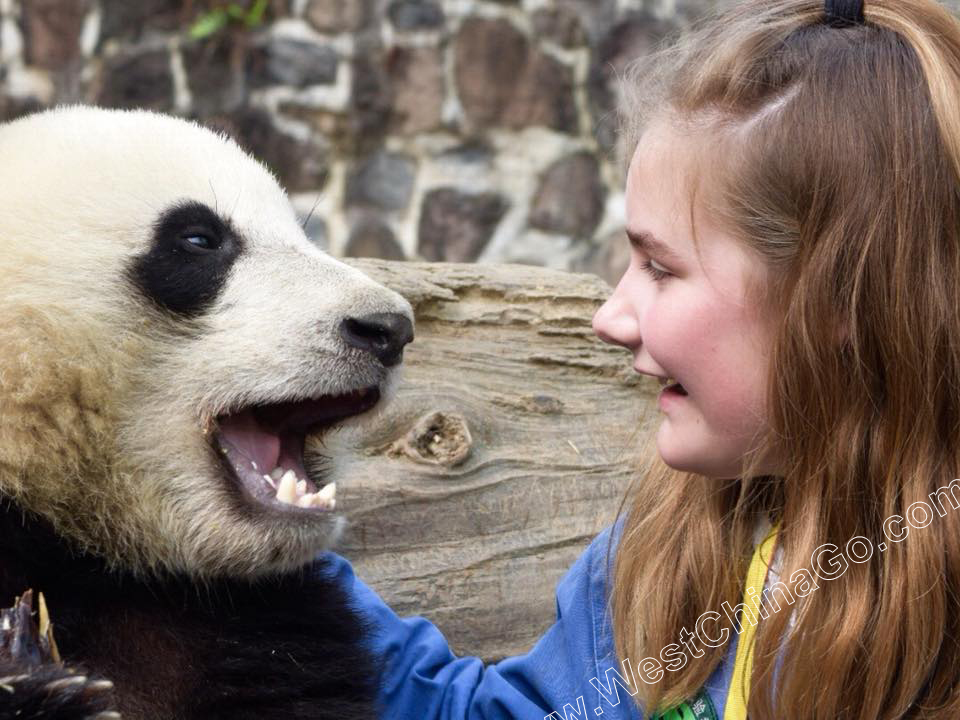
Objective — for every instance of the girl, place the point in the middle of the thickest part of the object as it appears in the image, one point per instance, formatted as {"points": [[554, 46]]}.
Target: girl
{"points": [[793, 205]]}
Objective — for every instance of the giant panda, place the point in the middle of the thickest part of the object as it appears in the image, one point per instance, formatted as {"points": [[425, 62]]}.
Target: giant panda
{"points": [[173, 351]]}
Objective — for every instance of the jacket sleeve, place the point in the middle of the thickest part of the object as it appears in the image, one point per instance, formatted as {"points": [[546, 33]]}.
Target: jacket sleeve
{"points": [[423, 679]]}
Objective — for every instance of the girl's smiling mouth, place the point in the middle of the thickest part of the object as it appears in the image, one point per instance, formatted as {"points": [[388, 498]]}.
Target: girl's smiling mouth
{"points": [[670, 394]]}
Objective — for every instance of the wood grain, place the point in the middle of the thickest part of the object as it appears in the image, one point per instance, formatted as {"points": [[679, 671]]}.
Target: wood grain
{"points": [[508, 447]]}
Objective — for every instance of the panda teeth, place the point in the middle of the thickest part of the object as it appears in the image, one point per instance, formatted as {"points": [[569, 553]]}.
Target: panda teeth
{"points": [[324, 498], [328, 492], [294, 492], [274, 477], [287, 492]]}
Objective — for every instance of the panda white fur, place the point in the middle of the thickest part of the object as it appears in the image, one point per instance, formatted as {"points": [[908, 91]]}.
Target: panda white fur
{"points": [[169, 337]]}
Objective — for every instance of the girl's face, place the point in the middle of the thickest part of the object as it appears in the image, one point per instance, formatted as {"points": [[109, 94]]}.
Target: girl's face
{"points": [[687, 318]]}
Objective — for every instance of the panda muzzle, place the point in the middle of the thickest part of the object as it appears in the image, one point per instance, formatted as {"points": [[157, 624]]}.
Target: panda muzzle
{"points": [[262, 446]]}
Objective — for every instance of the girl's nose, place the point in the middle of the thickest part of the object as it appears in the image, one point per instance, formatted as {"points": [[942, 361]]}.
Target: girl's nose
{"points": [[616, 323]]}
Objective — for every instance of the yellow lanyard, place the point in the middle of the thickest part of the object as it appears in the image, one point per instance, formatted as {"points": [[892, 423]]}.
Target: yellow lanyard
{"points": [[739, 690]]}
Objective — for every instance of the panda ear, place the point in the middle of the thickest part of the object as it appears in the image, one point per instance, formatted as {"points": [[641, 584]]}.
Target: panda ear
{"points": [[186, 266]]}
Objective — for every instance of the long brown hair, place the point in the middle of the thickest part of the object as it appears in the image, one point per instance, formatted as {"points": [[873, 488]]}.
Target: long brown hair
{"points": [[840, 167]]}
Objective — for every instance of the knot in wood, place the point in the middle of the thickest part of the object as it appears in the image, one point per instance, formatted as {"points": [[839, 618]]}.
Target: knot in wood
{"points": [[438, 438]]}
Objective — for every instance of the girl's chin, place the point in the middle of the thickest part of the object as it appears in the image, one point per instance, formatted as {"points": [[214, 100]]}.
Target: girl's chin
{"points": [[679, 452], [671, 447]]}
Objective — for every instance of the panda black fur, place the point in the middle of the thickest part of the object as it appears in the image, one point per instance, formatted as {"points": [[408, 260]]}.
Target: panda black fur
{"points": [[164, 322]]}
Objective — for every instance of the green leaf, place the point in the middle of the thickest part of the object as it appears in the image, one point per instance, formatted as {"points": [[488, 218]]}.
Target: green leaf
{"points": [[236, 11], [255, 16], [207, 25]]}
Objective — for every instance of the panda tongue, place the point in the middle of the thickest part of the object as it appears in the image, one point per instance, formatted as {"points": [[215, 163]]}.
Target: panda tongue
{"points": [[250, 440]]}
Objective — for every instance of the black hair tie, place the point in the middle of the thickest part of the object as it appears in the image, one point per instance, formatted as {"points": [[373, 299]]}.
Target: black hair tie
{"points": [[843, 13]]}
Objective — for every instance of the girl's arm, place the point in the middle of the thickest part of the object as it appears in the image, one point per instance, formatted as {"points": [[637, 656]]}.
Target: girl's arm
{"points": [[424, 680]]}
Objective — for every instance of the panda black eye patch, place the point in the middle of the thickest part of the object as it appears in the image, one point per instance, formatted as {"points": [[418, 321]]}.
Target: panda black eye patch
{"points": [[190, 255]]}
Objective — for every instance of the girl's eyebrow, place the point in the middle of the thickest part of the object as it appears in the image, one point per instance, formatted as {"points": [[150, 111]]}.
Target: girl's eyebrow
{"points": [[643, 240]]}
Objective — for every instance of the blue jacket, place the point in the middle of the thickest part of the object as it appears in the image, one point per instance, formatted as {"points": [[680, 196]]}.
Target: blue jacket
{"points": [[569, 671]]}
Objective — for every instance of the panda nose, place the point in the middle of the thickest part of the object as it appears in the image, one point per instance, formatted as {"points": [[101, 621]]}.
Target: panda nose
{"points": [[383, 334]]}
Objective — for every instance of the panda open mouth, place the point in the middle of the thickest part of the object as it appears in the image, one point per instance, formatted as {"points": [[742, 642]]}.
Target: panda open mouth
{"points": [[262, 446]]}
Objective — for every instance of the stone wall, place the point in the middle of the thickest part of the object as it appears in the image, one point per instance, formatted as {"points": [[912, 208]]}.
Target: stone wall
{"points": [[454, 130]]}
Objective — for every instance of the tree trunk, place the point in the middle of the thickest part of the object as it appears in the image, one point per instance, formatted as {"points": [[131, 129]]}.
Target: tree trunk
{"points": [[508, 447]]}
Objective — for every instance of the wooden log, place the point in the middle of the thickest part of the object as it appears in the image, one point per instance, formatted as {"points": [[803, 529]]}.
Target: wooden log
{"points": [[508, 447]]}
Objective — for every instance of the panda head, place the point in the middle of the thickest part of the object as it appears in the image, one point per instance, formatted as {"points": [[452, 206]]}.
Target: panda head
{"points": [[173, 348]]}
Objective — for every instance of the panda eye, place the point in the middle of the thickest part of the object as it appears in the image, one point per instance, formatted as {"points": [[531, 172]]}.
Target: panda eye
{"points": [[199, 243]]}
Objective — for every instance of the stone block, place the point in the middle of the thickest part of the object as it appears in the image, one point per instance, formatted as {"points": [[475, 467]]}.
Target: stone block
{"points": [[140, 79], [292, 62], [126, 20], [571, 197], [635, 36], [596, 16], [456, 226], [609, 258], [216, 74], [503, 81], [371, 237], [383, 180], [300, 165], [417, 82], [561, 25], [409, 15], [371, 102], [51, 32], [338, 16]]}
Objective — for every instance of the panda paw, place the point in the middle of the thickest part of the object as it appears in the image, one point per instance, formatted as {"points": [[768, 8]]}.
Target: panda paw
{"points": [[33, 681], [53, 693]]}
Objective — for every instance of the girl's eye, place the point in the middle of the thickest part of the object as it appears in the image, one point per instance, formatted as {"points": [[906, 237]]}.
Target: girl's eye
{"points": [[654, 272]]}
